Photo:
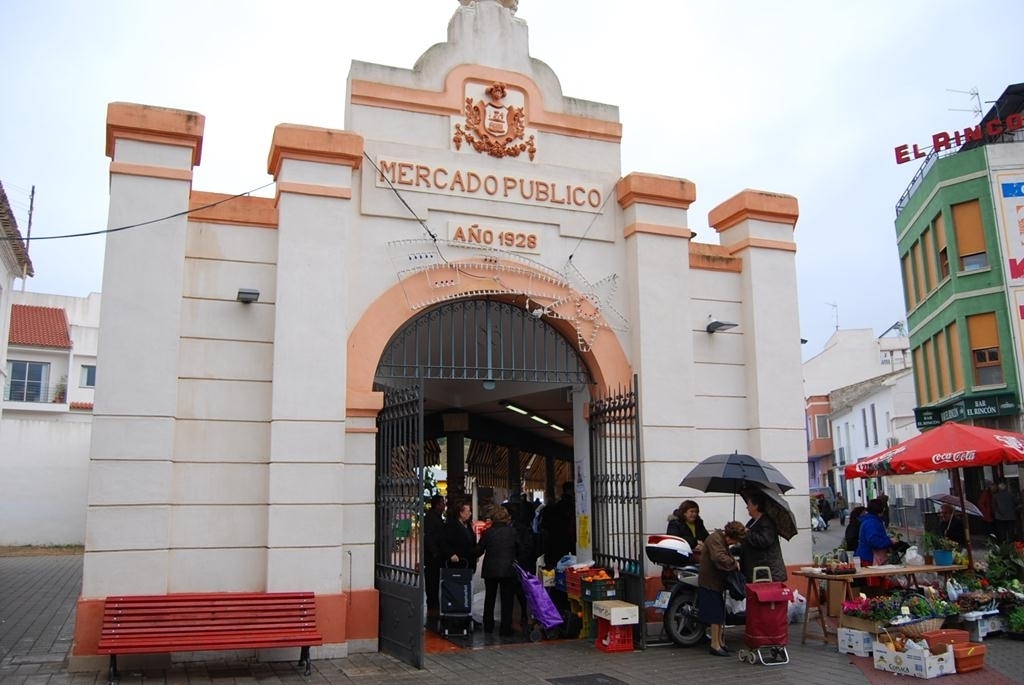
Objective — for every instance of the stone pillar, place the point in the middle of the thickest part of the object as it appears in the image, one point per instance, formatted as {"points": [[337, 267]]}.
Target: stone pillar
{"points": [[309, 476], [757, 226], [455, 427], [128, 522], [655, 227]]}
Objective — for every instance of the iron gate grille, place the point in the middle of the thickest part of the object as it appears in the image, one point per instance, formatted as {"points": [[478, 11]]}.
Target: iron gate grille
{"points": [[399, 548], [481, 340], [616, 493]]}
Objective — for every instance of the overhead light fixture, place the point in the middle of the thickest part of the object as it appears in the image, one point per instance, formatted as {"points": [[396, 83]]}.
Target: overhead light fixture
{"points": [[490, 384], [533, 416], [247, 295], [512, 407], [715, 325]]}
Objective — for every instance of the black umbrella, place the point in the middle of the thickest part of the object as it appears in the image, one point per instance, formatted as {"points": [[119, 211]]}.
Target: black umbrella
{"points": [[778, 510], [733, 472]]}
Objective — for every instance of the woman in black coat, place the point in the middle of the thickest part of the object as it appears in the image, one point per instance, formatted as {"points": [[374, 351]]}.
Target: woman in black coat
{"points": [[761, 546], [458, 538], [498, 547], [851, 537]]}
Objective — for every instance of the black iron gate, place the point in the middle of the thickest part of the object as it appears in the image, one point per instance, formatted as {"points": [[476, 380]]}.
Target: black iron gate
{"points": [[398, 571], [616, 493]]}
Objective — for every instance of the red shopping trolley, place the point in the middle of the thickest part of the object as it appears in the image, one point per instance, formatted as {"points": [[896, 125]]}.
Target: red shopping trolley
{"points": [[766, 632]]}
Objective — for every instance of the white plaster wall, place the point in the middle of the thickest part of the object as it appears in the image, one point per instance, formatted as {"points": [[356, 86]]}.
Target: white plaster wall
{"points": [[44, 480]]}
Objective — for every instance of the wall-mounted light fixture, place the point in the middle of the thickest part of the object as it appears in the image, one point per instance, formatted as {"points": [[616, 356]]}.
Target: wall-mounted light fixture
{"points": [[247, 295], [716, 325]]}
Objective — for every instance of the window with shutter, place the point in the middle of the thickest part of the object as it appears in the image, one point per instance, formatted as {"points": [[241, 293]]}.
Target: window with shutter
{"points": [[970, 236]]}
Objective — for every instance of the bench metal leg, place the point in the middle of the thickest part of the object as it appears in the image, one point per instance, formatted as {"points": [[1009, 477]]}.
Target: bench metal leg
{"points": [[112, 672], [304, 657]]}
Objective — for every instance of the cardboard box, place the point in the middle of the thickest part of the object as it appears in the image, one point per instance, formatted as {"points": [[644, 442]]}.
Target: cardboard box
{"points": [[617, 612], [918, 663], [857, 642]]}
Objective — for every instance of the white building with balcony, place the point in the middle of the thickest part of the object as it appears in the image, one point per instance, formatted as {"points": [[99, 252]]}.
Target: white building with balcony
{"points": [[46, 420]]}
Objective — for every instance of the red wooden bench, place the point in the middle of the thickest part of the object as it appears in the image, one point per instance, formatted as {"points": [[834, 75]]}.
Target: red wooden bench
{"points": [[208, 621]]}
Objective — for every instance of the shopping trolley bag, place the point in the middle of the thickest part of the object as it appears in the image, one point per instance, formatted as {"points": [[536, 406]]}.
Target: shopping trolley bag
{"points": [[456, 600], [538, 602]]}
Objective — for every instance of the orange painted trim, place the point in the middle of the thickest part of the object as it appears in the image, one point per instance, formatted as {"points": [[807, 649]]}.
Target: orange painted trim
{"points": [[754, 204], [762, 243], [451, 101], [606, 360], [324, 145], [363, 620], [713, 258], [650, 189], [332, 617], [169, 173], [313, 189], [235, 210], [88, 625], [360, 429], [363, 404], [155, 124], [657, 229]]}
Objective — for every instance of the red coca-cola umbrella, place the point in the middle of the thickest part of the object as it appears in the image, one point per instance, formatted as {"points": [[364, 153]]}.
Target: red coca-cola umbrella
{"points": [[950, 446]]}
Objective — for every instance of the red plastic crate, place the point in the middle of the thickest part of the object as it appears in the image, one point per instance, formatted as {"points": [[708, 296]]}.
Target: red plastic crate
{"points": [[613, 638], [574, 580]]}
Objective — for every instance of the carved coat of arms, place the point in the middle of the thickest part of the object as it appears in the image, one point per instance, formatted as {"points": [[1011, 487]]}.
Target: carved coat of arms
{"points": [[493, 127]]}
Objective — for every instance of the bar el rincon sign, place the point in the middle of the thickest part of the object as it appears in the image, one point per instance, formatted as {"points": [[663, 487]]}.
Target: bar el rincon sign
{"points": [[968, 408], [945, 140]]}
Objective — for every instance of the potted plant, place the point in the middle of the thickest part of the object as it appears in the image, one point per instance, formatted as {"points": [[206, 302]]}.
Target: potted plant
{"points": [[944, 548], [927, 546]]}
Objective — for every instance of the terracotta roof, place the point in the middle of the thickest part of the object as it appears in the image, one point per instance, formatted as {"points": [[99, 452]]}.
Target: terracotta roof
{"points": [[10, 235], [39, 327], [82, 405]]}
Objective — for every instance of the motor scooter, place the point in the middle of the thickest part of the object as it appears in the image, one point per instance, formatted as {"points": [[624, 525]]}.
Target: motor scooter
{"points": [[678, 598]]}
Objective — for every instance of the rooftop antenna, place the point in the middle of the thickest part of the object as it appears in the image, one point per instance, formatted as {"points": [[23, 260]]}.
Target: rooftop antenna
{"points": [[835, 313], [973, 92]]}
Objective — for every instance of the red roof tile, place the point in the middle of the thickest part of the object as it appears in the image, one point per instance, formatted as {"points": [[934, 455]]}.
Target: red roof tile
{"points": [[82, 405], [39, 327]]}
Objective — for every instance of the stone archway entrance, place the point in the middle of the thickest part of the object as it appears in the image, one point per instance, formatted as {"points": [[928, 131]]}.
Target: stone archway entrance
{"points": [[486, 379]]}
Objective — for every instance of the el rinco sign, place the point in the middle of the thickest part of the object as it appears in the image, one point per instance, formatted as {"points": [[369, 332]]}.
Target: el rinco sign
{"points": [[945, 140]]}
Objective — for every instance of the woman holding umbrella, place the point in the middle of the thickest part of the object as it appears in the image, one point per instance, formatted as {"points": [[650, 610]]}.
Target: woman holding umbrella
{"points": [[761, 546]]}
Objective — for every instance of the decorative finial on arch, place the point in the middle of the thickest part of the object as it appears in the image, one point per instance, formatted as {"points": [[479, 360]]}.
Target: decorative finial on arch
{"points": [[511, 5]]}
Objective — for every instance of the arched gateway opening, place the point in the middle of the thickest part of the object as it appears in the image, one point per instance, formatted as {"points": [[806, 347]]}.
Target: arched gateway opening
{"points": [[452, 382]]}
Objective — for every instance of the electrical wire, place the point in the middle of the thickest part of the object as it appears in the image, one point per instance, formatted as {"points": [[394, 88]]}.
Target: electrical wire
{"points": [[141, 223]]}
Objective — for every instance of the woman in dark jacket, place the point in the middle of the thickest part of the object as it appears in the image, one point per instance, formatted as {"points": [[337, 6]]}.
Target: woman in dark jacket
{"points": [[686, 523], [498, 547], [715, 563], [851, 537], [761, 546], [458, 538]]}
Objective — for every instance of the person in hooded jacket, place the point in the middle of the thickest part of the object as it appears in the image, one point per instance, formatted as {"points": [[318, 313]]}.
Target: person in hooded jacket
{"points": [[761, 546], [498, 547], [686, 523], [851, 536]]}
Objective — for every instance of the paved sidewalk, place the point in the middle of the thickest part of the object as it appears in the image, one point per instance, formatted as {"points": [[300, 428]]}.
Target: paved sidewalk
{"points": [[38, 595]]}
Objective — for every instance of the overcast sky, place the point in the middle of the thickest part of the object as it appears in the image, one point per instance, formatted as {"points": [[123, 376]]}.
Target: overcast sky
{"points": [[805, 98]]}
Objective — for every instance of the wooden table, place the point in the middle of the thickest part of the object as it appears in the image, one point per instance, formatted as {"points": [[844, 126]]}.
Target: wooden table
{"points": [[846, 580]]}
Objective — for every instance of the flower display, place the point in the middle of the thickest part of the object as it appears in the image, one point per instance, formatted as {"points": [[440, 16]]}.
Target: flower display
{"points": [[882, 608]]}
